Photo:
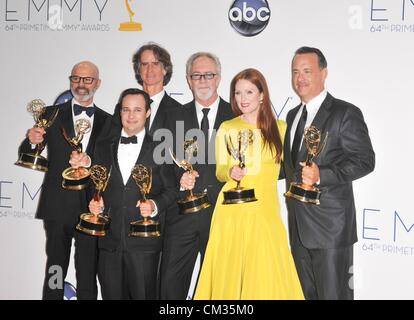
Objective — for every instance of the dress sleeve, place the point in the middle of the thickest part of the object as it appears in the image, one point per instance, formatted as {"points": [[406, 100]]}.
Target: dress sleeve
{"points": [[282, 126], [223, 160]]}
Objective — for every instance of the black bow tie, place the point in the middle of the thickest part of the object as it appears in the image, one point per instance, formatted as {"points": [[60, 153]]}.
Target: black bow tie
{"points": [[77, 109], [126, 140]]}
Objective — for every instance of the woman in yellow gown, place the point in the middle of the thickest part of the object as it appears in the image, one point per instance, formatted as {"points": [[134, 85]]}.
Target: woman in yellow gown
{"points": [[247, 255]]}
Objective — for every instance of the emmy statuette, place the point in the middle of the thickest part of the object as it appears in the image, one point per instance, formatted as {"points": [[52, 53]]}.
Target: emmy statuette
{"points": [[314, 143], [192, 202], [239, 194], [89, 223], [34, 160], [146, 227], [130, 25], [76, 179]]}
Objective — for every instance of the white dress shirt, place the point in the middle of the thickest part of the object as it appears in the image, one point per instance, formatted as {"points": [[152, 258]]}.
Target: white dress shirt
{"points": [[312, 108], [155, 104], [211, 115], [127, 158], [83, 115], [128, 154]]}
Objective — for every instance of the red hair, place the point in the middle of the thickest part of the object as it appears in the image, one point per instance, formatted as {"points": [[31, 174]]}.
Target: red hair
{"points": [[266, 120]]}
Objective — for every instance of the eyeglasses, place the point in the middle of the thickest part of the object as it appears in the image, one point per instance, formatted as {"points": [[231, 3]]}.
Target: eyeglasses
{"points": [[206, 76], [77, 79]]}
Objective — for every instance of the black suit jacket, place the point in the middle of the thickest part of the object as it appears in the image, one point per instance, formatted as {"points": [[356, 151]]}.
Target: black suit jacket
{"points": [[347, 156], [121, 199], [56, 203], [187, 115], [166, 107]]}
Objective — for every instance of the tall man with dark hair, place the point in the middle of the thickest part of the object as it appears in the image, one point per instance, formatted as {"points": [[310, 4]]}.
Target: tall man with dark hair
{"points": [[60, 208], [187, 234], [322, 236], [153, 70]]}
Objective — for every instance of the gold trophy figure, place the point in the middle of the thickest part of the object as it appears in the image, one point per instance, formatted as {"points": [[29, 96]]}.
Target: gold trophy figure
{"points": [[239, 194], [193, 202], [145, 227], [89, 223], [34, 160], [76, 179], [314, 144], [130, 25]]}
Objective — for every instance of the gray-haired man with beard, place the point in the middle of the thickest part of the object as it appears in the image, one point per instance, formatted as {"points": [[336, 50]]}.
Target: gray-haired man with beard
{"points": [[60, 208], [186, 235]]}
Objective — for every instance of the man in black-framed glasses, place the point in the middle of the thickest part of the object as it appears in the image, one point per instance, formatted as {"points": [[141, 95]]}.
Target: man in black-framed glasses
{"points": [[85, 80], [60, 208], [202, 76], [186, 235]]}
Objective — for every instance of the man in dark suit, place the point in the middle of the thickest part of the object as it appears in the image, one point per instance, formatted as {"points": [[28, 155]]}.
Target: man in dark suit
{"points": [[153, 70], [322, 236], [60, 208], [128, 266], [186, 235]]}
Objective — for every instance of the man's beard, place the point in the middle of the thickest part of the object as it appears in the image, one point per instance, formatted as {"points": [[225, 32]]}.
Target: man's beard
{"points": [[83, 97], [203, 95]]}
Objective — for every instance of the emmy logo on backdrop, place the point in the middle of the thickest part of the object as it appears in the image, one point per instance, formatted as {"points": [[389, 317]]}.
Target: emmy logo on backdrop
{"points": [[34, 160], [76, 179], [314, 143], [193, 202], [145, 227], [130, 25], [89, 223], [238, 152]]}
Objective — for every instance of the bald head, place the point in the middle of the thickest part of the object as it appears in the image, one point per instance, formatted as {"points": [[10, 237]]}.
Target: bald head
{"points": [[84, 82], [86, 65]]}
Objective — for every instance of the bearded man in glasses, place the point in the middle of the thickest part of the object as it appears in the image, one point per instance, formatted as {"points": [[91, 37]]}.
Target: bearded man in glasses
{"points": [[186, 235], [60, 208]]}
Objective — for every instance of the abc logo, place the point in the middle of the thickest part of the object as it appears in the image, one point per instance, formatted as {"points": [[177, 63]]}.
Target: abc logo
{"points": [[249, 17]]}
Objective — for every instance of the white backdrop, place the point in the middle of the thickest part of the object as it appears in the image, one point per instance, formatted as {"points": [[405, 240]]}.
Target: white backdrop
{"points": [[369, 48]]}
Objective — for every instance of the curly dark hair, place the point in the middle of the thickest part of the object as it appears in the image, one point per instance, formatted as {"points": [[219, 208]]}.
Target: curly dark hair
{"points": [[160, 53]]}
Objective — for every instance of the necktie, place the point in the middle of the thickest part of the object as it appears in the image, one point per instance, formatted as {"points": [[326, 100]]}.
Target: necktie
{"points": [[299, 134], [126, 140], [204, 127], [77, 109]]}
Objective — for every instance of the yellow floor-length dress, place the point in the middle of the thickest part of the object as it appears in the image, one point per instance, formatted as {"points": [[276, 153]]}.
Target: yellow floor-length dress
{"points": [[247, 255]]}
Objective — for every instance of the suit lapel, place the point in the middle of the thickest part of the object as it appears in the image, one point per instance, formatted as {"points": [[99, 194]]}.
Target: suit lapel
{"points": [[221, 115], [323, 113], [319, 122], [158, 118], [145, 148], [67, 118], [190, 115], [114, 144], [98, 123]]}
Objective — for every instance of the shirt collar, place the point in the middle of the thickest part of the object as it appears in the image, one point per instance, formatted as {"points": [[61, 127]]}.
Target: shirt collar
{"points": [[158, 97], [140, 135], [213, 107], [317, 101], [74, 101]]}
